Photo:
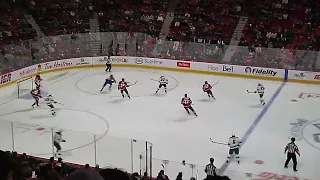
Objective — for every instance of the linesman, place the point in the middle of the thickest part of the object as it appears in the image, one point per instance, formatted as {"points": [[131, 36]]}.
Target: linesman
{"points": [[108, 63], [292, 149], [210, 169]]}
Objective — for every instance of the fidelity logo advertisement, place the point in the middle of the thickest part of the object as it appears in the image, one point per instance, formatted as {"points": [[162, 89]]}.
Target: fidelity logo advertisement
{"points": [[5, 78], [82, 62], [227, 68], [259, 71], [147, 61], [213, 68], [183, 64], [300, 75]]}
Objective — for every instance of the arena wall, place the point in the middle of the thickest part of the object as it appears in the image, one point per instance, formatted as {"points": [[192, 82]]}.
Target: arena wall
{"points": [[165, 64]]}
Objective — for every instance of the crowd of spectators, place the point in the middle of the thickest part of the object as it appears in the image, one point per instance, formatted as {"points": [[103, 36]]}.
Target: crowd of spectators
{"points": [[14, 166]]}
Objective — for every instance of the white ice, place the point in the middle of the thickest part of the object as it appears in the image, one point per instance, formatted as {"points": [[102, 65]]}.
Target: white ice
{"points": [[87, 115]]}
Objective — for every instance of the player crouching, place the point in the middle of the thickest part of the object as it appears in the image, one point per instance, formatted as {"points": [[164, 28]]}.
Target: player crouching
{"points": [[186, 102], [49, 100], [122, 86], [162, 83], [260, 91], [109, 81], [35, 93], [207, 89], [234, 144]]}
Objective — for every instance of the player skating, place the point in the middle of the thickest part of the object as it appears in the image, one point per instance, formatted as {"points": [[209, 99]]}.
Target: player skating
{"points": [[186, 102], [162, 83], [49, 100], [234, 144], [109, 81], [207, 89], [57, 139], [122, 86], [35, 93], [260, 91], [37, 81]]}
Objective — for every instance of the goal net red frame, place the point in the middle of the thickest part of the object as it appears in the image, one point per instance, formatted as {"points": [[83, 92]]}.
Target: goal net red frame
{"points": [[24, 86]]}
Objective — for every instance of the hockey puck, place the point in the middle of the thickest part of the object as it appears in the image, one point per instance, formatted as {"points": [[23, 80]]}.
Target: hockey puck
{"points": [[259, 162], [294, 100]]}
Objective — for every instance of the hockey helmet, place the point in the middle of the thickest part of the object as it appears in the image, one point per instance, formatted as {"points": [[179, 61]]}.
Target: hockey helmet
{"points": [[185, 95], [293, 139], [206, 82]]}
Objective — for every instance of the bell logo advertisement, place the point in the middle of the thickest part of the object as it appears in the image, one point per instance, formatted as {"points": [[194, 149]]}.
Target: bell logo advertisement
{"points": [[226, 68], [5, 78], [260, 71], [147, 61], [183, 64]]}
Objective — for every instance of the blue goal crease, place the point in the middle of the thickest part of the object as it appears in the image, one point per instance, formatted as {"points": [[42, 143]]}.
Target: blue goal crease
{"points": [[255, 123]]}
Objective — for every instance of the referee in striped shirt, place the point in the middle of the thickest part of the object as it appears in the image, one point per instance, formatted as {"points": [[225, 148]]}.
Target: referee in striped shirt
{"points": [[292, 149], [210, 169]]}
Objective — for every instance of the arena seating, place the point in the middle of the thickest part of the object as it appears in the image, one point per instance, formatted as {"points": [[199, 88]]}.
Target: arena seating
{"points": [[204, 21], [143, 16]]}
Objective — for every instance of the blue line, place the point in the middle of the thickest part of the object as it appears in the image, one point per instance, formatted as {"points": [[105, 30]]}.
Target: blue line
{"points": [[244, 139]]}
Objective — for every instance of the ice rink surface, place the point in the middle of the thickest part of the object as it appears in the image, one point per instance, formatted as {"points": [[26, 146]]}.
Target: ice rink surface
{"points": [[88, 116]]}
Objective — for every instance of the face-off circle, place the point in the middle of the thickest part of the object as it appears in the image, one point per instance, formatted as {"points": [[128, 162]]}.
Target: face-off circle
{"points": [[146, 83], [31, 129]]}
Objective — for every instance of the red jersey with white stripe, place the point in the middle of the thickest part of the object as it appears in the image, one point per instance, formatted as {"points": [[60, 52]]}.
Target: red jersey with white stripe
{"points": [[35, 93], [206, 87], [122, 85], [186, 102]]}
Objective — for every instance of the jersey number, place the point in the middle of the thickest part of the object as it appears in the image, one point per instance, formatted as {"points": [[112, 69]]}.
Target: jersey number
{"points": [[233, 141]]}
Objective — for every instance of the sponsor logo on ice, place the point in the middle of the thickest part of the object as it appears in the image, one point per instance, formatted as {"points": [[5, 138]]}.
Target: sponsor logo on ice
{"points": [[213, 68], [5, 78], [183, 64], [297, 128], [226, 68], [260, 71]]}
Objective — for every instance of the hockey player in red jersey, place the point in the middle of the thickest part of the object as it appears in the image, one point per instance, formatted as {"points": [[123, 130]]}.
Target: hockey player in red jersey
{"points": [[122, 86], [36, 95], [37, 81], [186, 102], [207, 88]]}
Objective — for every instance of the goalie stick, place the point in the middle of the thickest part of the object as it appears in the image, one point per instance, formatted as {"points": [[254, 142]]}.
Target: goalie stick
{"points": [[214, 142]]}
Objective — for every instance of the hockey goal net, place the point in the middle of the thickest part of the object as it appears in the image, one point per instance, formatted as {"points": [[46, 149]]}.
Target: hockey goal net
{"points": [[309, 95], [24, 86]]}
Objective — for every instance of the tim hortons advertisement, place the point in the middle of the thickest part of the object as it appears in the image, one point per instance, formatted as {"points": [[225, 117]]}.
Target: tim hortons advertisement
{"points": [[183, 64], [5, 78], [260, 71], [56, 64]]}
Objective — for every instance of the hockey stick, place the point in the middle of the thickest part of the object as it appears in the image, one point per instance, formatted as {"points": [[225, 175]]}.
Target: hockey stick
{"points": [[215, 83], [218, 142], [59, 103], [154, 80], [250, 91], [197, 174], [133, 84]]}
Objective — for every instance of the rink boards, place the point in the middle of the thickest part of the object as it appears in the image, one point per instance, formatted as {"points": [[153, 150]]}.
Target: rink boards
{"points": [[165, 64]]}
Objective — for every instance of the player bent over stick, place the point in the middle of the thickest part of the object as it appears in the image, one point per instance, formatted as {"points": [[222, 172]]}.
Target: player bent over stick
{"points": [[109, 81], [186, 102], [122, 86], [162, 83], [49, 100], [260, 91], [207, 89]]}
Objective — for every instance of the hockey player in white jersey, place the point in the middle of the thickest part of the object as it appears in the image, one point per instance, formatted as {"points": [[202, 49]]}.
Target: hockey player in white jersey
{"points": [[49, 100], [260, 91], [234, 144], [162, 83], [57, 139]]}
